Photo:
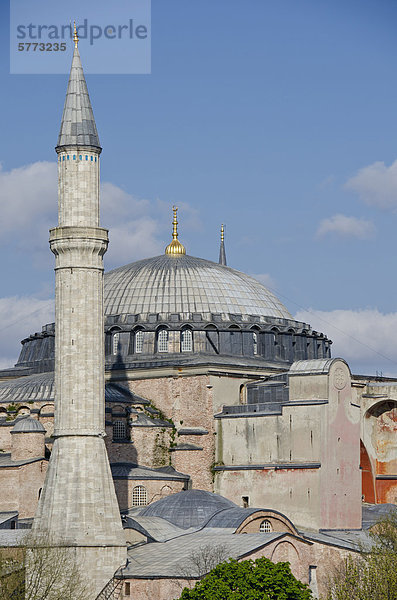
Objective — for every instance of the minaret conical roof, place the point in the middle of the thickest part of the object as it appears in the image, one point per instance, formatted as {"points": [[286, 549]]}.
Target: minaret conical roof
{"points": [[78, 126]]}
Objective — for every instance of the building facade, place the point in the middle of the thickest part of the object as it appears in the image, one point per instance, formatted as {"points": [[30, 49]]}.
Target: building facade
{"points": [[210, 385]]}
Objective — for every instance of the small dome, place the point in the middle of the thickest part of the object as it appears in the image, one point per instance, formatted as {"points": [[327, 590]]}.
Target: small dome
{"points": [[187, 509], [28, 425]]}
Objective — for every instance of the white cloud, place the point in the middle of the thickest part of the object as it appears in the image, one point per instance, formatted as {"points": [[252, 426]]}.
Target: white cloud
{"points": [[345, 226], [265, 279], [19, 317], [138, 228], [366, 339], [376, 185]]}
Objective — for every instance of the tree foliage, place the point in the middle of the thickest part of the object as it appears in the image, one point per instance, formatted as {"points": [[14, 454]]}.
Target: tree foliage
{"points": [[249, 580], [39, 570], [372, 574]]}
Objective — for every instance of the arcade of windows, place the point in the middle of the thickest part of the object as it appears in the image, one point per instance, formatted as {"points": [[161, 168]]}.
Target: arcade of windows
{"points": [[186, 341]]}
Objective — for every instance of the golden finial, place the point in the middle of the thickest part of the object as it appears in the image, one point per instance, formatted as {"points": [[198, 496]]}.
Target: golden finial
{"points": [[175, 248], [75, 36], [175, 224], [222, 232]]}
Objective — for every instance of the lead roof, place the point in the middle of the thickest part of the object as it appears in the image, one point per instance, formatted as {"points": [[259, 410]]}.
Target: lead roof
{"points": [[78, 126]]}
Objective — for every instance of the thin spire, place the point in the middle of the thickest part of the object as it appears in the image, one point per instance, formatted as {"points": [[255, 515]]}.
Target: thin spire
{"points": [[75, 36], [78, 126], [222, 251], [175, 247], [175, 224]]}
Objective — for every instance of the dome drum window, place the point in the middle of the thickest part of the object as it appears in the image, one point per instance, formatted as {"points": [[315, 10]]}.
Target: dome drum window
{"points": [[116, 346], [255, 343], [162, 340], [138, 341], [186, 340]]}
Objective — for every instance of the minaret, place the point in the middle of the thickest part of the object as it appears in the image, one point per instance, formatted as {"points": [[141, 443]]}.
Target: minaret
{"points": [[222, 251], [78, 506]]}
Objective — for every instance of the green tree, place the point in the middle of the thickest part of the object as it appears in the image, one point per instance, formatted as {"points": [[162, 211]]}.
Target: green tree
{"points": [[249, 580], [38, 571], [372, 574]]}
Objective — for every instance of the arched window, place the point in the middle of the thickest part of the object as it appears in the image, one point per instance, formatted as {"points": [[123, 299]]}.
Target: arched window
{"points": [[139, 496], [186, 340], [119, 430], [265, 526], [116, 343], [138, 341], [255, 342], [162, 340]]}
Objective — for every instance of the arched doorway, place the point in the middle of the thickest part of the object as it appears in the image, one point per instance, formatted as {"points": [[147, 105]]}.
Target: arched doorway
{"points": [[367, 478]]}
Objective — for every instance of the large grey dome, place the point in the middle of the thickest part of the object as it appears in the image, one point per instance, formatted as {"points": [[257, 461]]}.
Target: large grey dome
{"points": [[192, 508], [184, 284]]}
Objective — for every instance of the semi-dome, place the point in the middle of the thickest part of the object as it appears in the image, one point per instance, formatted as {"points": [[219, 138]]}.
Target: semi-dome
{"points": [[192, 508], [184, 284]]}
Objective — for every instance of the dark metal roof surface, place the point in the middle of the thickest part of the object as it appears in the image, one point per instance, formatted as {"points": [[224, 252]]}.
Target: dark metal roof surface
{"points": [[191, 508], [78, 126]]}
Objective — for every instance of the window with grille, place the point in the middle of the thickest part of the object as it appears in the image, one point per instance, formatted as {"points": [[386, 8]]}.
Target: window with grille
{"points": [[186, 340], [138, 341], [139, 496], [162, 340], [255, 342], [116, 343], [119, 430], [265, 526]]}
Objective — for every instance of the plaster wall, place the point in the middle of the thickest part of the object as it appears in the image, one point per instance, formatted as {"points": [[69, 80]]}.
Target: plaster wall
{"points": [[340, 477], [292, 436], [295, 493]]}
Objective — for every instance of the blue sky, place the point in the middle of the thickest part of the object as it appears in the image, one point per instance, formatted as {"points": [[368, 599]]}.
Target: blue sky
{"points": [[276, 118]]}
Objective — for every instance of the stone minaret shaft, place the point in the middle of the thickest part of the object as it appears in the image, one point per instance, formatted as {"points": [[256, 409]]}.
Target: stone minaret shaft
{"points": [[78, 507]]}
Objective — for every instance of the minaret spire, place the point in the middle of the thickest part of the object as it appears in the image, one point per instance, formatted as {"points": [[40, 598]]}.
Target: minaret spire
{"points": [[78, 508], [78, 126], [222, 251]]}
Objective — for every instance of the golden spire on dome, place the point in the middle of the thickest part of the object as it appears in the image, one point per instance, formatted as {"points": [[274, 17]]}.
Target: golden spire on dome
{"points": [[222, 233], [175, 247], [75, 36]]}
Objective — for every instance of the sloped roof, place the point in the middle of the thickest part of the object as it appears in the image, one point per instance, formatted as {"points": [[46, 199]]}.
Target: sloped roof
{"points": [[78, 126]]}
